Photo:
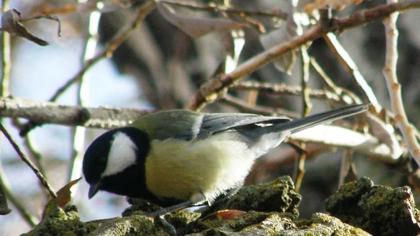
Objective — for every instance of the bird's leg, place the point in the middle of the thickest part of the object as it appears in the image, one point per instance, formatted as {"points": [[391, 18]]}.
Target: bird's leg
{"points": [[219, 201], [168, 227], [159, 216]]}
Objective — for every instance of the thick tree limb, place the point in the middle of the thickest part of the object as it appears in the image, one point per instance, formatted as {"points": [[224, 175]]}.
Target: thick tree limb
{"points": [[52, 113], [394, 87], [209, 91]]}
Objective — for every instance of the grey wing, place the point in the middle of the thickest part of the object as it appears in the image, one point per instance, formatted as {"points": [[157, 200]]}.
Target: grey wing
{"points": [[218, 122], [179, 124]]}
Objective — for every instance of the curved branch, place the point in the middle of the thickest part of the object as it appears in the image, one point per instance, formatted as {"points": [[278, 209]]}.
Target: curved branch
{"points": [[209, 91], [394, 87]]}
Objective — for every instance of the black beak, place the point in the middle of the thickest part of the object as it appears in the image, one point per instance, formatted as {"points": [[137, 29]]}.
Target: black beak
{"points": [[94, 188]]}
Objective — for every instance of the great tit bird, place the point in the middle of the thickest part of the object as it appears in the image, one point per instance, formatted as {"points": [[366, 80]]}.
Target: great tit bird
{"points": [[179, 156]]}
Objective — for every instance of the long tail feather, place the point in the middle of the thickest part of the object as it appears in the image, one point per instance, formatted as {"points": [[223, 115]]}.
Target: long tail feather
{"points": [[306, 122]]}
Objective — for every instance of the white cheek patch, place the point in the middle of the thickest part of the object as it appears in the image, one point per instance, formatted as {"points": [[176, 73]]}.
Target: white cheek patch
{"points": [[122, 154]]}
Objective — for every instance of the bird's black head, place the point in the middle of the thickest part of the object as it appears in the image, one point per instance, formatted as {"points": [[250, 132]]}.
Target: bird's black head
{"points": [[114, 162]]}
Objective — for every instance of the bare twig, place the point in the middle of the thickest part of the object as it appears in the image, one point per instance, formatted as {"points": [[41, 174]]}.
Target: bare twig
{"points": [[351, 66], [209, 91], [394, 87], [31, 148], [306, 100], [48, 17], [300, 168], [79, 133], [228, 10], [346, 96], [285, 89], [52, 113], [28, 162], [245, 107], [306, 109], [142, 12], [346, 167], [5, 57], [30, 219]]}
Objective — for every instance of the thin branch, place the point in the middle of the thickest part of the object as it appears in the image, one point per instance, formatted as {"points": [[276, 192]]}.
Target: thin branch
{"points": [[394, 87], [285, 89], [306, 110], [21, 209], [306, 100], [6, 59], [346, 167], [228, 10], [246, 107], [31, 148], [345, 95], [352, 68], [209, 91], [52, 113], [4, 91], [300, 168], [142, 12], [28, 162], [79, 133]]}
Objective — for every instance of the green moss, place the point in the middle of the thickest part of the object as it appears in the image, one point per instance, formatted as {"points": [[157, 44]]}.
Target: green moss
{"points": [[181, 219], [257, 223], [274, 224], [214, 225], [278, 195], [380, 210], [132, 225], [323, 224], [348, 195], [58, 221], [267, 209]]}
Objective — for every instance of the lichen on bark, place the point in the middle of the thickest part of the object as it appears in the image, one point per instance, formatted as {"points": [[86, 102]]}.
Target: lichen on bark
{"points": [[380, 210], [357, 208]]}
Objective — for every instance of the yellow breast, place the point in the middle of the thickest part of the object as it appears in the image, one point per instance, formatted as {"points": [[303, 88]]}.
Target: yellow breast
{"points": [[180, 169]]}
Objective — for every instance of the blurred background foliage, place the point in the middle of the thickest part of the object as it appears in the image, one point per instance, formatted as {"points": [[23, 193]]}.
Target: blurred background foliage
{"points": [[160, 66]]}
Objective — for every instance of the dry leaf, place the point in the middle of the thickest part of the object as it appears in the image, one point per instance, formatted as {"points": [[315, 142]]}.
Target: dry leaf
{"points": [[64, 194], [226, 214], [229, 214], [11, 22], [196, 27]]}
